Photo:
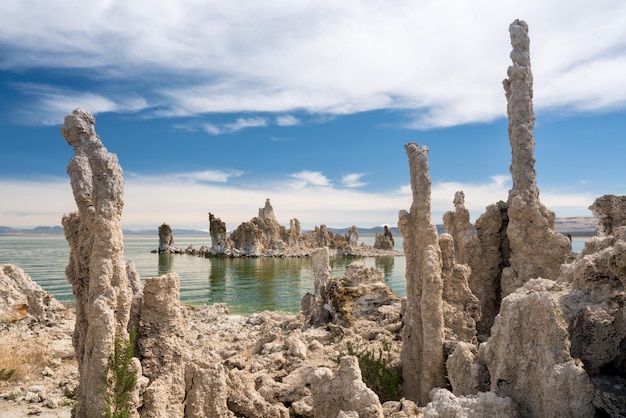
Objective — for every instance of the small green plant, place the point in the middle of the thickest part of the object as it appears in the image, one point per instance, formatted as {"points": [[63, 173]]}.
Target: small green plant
{"points": [[377, 372], [121, 379], [6, 374]]}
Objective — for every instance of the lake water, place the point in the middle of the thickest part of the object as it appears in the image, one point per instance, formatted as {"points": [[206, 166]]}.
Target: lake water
{"points": [[247, 285]]}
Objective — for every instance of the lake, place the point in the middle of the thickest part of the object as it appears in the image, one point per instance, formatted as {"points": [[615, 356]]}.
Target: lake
{"points": [[247, 285]]}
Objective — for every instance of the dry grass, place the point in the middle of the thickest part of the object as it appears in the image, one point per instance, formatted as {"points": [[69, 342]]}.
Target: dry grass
{"points": [[24, 358]]}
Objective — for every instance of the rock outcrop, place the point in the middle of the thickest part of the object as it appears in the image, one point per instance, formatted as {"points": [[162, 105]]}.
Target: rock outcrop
{"points": [[263, 236], [166, 239], [344, 391], [385, 240], [610, 212], [96, 269], [423, 366], [539, 374], [20, 296], [343, 300], [220, 243], [536, 249]]}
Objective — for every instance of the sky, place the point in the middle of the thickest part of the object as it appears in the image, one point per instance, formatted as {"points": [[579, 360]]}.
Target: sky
{"points": [[216, 106]]}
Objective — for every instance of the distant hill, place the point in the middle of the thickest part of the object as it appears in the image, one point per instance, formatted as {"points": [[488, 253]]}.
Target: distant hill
{"points": [[39, 230], [576, 225]]}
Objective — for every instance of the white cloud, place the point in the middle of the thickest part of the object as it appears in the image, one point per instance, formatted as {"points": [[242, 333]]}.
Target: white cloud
{"points": [[312, 178], [353, 180], [443, 62], [209, 176], [53, 103], [287, 120], [237, 125]]}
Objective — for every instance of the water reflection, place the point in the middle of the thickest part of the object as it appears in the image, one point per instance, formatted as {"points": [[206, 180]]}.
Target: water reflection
{"points": [[165, 263], [385, 264]]}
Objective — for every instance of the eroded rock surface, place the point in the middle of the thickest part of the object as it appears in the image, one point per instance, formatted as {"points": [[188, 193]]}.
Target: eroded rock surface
{"points": [[166, 239], [96, 269], [610, 213], [423, 331], [20, 296], [536, 249]]}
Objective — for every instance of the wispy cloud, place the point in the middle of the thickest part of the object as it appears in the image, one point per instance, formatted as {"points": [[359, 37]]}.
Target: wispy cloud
{"points": [[310, 178], [205, 176], [321, 57], [237, 125], [52, 103], [287, 120], [353, 180]]}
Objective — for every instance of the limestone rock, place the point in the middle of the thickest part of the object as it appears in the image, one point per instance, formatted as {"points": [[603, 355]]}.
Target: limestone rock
{"points": [[166, 239], [610, 213], [461, 309], [353, 236], [96, 269], [528, 354], [20, 295], [489, 263], [358, 294], [466, 374], [344, 391], [536, 249], [486, 404], [423, 365], [220, 243], [162, 347], [207, 391], [385, 240]]}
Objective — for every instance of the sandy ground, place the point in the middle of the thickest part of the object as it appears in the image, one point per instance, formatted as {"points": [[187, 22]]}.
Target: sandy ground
{"points": [[12, 410]]}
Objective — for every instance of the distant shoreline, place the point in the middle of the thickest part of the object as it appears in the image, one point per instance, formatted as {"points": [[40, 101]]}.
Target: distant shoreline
{"points": [[581, 226]]}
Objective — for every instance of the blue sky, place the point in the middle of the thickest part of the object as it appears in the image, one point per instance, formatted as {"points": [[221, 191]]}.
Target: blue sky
{"points": [[214, 106]]}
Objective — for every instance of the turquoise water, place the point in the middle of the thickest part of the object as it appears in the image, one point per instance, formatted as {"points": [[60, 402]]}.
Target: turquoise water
{"points": [[246, 284]]}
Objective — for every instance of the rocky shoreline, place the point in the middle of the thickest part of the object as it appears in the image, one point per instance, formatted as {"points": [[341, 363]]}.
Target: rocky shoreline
{"points": [[263, 236]]}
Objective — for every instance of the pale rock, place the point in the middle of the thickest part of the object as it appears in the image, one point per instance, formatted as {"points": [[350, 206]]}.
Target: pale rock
{"points": [[423, 366], [343, 391], [296, 348], [20, 295], [488, 264], [461, 309], [610, 213], [166, 239], [245, 400], [467, 376], [96, 269], [220, 243], [353, 236], [162, 347], [385, 240], [536, 249], [206, 391], [485, 404], [528, 354]]}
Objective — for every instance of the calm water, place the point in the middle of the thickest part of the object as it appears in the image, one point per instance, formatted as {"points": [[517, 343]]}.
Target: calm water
{"points": [[246, 284]]}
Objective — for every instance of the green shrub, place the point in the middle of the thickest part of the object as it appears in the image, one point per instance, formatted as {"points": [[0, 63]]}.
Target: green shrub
{"points": [[121, 379], [6, 374], [377, 372]]}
